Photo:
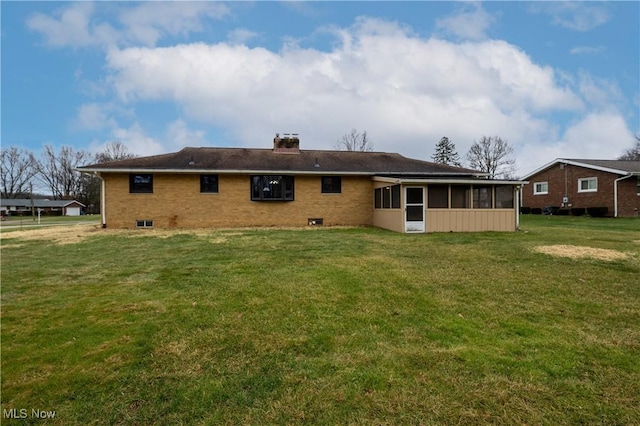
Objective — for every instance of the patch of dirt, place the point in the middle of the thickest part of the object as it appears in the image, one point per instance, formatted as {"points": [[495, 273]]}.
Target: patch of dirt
{"points": [[57, 234], [582, 252]]}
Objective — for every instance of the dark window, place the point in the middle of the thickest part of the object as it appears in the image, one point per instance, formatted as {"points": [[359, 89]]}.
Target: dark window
{"points": [[504, 197], [144, 223], [386, 197], [482, 197], [272, 188], [438, 196], [208, 183], [395, 197], [140, 183], [331, 184], [460, 196]]}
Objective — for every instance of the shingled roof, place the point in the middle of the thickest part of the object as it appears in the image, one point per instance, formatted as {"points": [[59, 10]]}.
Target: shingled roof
{"points": [[242, 160], [620, 167]]}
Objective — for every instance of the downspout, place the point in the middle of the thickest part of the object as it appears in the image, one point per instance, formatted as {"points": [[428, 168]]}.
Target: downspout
{"points": [[615, 193], [519, 196], [103, 200]]}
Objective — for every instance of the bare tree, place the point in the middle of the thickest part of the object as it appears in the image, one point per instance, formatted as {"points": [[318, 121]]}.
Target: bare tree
{"points": [[90, 184], [57, 171], [446, 153], [492, 155], [17, 169], [355, 141], [113, 151], [632, 153]]}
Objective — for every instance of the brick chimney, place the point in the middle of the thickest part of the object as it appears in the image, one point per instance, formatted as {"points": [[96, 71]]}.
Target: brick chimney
{"points": [[288, 144]]}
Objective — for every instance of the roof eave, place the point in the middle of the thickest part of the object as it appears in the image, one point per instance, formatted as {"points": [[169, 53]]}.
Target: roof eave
{"points": [[579, 164]]}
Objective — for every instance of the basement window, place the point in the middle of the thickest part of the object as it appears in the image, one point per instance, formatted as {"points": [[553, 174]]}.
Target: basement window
{"points": [[272, 188], [144, 223]]}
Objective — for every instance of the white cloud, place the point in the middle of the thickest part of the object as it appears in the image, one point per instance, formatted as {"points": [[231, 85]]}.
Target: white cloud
{"points": [[137, 141], [78, 26], [178, 135], [69, 28], [596, 136], [241, 36], [469, 22], [577, 16], [151, 20], [406, 92], [587, 50], [93, 116]]}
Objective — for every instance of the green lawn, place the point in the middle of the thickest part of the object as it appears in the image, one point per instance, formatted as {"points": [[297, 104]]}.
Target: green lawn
{"points": [[325, 326]]}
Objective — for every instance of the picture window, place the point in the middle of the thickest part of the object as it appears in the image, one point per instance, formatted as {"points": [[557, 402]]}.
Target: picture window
{"points": [[272, 188]]}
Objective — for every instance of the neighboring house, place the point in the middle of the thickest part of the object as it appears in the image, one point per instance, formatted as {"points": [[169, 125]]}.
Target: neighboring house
{"points": [[25, 206], [571, 183], [287, 186]]}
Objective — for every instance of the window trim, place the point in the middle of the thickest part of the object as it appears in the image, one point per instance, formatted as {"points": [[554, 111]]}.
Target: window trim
{"points": [[217, 187], [587, 180], [135, 188], [535, 188]]}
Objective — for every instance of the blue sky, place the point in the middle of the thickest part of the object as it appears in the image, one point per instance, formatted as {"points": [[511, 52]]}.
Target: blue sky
{"points": [[556, 79]]}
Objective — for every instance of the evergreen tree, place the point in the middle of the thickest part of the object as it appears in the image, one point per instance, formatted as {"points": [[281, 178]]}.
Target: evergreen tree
{"points": [[446, 153]]}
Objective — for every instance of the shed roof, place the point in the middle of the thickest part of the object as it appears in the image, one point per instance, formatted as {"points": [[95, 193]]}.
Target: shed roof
{"points": [[236, 160]]}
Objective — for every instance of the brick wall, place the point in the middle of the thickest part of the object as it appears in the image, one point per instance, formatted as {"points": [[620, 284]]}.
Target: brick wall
{"points": [[564, 181], [176, 202]]}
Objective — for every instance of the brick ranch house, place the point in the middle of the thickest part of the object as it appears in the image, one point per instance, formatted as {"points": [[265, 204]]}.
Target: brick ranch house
{"points": [[287, 186], [571, 183], [25, 206]]}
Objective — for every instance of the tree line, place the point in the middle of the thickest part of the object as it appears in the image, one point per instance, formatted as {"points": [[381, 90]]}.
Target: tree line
{"points": [[55, 171], [22, 172], [490, 154]]}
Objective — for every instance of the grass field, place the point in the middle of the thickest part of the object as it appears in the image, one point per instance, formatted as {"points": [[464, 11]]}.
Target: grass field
{"points": [[323, 326]]}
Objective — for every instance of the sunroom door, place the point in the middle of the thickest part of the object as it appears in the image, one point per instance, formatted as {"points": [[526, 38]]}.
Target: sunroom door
{"points": [[414, 209]]}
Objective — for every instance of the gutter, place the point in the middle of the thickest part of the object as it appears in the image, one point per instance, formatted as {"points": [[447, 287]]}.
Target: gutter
{"points": [[318, 172], [615, 192]]}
